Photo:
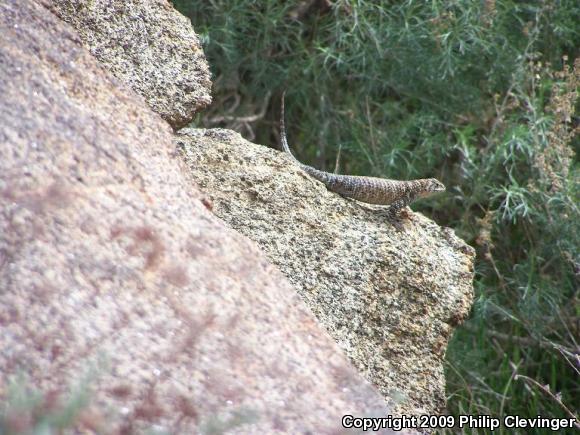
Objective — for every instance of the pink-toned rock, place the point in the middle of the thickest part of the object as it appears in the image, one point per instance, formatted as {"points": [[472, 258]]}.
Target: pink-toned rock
{"points": [[114, 274]]}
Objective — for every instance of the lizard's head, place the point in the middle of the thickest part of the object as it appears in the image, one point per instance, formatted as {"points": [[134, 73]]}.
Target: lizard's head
{"points": [[432, 185]]}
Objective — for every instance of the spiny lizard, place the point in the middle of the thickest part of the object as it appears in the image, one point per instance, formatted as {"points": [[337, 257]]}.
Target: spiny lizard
{"points": [[372, 190]]}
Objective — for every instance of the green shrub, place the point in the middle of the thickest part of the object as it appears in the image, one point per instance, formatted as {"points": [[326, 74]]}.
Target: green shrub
{"points": [[28, 411]]}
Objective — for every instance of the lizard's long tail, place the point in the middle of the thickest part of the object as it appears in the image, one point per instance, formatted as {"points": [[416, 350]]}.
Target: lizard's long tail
{"points": [[283, 139], [325, 177]]}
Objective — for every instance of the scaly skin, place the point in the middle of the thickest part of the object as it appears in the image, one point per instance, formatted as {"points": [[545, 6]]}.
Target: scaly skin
{"points": [[371, 190]]}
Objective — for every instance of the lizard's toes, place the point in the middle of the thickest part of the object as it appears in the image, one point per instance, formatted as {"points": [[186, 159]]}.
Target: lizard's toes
{"points": [[406, 213]]}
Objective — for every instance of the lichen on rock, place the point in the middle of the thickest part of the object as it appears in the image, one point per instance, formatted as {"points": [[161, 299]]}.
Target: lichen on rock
{"points": [[147, 45]]}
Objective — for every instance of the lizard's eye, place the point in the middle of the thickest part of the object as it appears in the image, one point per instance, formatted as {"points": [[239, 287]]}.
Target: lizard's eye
{"points": [[437, 186]]}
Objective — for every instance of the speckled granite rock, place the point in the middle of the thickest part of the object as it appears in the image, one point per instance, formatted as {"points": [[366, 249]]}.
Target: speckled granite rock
{"points": [[108, 253], [147, 45], [390, 297]]}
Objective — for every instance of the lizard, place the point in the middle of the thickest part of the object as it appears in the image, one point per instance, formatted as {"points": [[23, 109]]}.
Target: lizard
{"points": [[397, 194]]}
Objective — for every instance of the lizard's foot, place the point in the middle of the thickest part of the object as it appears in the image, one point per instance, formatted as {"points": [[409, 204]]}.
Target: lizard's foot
{"points": [[399, 216], [406, 213], [395, 212]]}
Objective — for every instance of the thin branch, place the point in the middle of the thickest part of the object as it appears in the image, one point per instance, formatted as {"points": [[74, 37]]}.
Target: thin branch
{"points": [[557, 399], [337, 162], [515, 368], [525, 341], [245, 119]]}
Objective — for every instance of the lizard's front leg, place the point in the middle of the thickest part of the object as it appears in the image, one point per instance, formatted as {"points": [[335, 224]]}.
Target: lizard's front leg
{"points": [[396, 207]]}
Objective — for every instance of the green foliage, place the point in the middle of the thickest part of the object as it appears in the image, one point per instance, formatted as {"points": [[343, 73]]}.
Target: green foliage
{"points": [[28, 411], [219, 424], [480, 94]]}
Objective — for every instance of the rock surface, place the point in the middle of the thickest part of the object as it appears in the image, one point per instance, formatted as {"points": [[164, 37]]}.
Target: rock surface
{"points": [[390, 296], [110, 260], [147, 45]]}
